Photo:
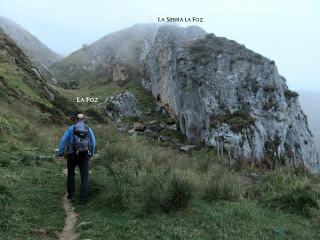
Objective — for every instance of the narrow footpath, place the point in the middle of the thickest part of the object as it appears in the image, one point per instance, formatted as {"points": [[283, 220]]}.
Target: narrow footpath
{"points": [[68, 232]]}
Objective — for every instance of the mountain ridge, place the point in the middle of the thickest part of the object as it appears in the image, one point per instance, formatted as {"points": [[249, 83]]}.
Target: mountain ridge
{"points": [[214, 87], [38, 52]]}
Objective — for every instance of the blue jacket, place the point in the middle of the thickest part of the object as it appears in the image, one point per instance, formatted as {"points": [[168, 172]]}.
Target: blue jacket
{"points": [[68, 138]]}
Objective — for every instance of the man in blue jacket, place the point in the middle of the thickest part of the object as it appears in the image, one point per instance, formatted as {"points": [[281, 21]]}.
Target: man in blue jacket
{"points": [[81, 145]]}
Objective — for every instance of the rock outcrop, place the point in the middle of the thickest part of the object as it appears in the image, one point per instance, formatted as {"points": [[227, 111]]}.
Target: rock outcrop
{"points": [[122, 105], [219, 91]]}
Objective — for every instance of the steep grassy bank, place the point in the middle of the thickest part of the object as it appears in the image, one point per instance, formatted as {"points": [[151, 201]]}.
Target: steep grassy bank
{"points": [[31, 182], [31, 117]]}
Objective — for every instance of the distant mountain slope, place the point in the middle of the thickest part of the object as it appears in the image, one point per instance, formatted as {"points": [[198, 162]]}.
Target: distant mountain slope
{"points": [[113, 57], [24, 94], [310, 103], [39, 53]]}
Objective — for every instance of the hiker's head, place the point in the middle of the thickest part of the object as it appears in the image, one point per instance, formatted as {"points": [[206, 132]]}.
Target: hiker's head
{"points": [[80, 117]]}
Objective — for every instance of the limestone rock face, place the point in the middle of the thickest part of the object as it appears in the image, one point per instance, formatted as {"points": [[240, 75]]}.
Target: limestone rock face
{"points": [[119, 74], [122, 105], [219, 91]]}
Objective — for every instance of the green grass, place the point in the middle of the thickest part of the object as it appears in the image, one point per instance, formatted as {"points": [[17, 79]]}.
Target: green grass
{"points": [[148, 191], [220, 220], [139, 188], [14, 80], [33, 199]]}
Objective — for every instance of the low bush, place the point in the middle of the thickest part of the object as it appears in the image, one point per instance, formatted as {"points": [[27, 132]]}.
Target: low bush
{"points": [[299, 199], [119, 186], [5, 197], [223, 186], [290, 94], [167, 194], [152, 193], [5, 126], [286, 190], [179, 193]]}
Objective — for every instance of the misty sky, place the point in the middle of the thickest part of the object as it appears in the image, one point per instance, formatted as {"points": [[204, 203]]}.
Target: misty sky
{"points": [[285, 31]]}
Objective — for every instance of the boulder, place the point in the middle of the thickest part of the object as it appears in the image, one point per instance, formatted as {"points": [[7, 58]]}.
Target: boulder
{"points": [[122, 105], [149, 133], [187, 148], [139, 127]]}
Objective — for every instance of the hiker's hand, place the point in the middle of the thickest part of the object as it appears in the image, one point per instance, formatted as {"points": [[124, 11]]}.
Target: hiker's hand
{"points": [[61, 158]]}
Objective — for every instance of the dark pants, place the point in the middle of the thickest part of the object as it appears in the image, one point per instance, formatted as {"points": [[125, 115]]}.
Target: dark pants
{"points": [[82, 160]]}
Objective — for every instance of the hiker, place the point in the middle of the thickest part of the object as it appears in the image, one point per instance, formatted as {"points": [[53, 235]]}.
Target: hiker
{"points": [[81, 145]]}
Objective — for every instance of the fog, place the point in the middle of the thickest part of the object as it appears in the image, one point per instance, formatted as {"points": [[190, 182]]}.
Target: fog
{"points": [[310, 101], [285, 31]]}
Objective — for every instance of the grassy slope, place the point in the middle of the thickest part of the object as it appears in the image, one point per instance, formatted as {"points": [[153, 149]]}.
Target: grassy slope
{"points": [[243, 218], [139, 189], [118, 209], [30, 189]]}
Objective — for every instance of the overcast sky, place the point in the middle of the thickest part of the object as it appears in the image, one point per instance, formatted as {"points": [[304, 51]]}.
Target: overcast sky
{"points": [[283, 30]]}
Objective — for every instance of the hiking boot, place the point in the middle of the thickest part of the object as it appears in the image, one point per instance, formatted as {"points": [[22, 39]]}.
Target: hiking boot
{"points": [[70, 198]]}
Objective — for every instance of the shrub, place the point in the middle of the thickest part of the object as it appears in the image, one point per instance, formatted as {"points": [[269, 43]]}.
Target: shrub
{"points": [[115, 153], [152, 195], [286, 191], [5, 126], [290, 94], [224, 186], [237, 120], [5, 197], [167, 193], [300, 199], [178, 194], [96, 115], [117, 195]]}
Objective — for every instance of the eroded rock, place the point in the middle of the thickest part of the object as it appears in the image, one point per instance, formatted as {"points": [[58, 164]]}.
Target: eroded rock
{"points": [[122, 105], [219, 91]]}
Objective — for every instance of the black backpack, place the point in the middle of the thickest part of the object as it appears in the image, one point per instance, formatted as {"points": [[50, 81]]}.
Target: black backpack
{"points": [[81, 138]]}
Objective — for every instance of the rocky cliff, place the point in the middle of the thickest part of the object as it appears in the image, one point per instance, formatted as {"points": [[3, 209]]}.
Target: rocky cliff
{"points": [[39, 54], [222, 93], [219, 92]]}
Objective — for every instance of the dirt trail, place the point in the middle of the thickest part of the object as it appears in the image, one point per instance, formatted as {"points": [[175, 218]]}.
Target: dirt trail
{"points": [[68, 232]]}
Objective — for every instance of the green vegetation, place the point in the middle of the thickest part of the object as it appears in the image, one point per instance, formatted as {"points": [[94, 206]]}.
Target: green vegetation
{"points": [[31, 187], [150, 191], [237, 120], [290, 94], [139, 189]]}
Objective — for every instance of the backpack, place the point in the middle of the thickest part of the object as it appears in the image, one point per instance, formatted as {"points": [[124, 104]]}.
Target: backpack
{"points": [[81, 141]]}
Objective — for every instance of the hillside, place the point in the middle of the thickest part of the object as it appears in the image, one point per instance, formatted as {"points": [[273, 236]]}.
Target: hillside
{"points": [[142, 184], [40, 54], [218, 91], [114, 57], [26, 97]]}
